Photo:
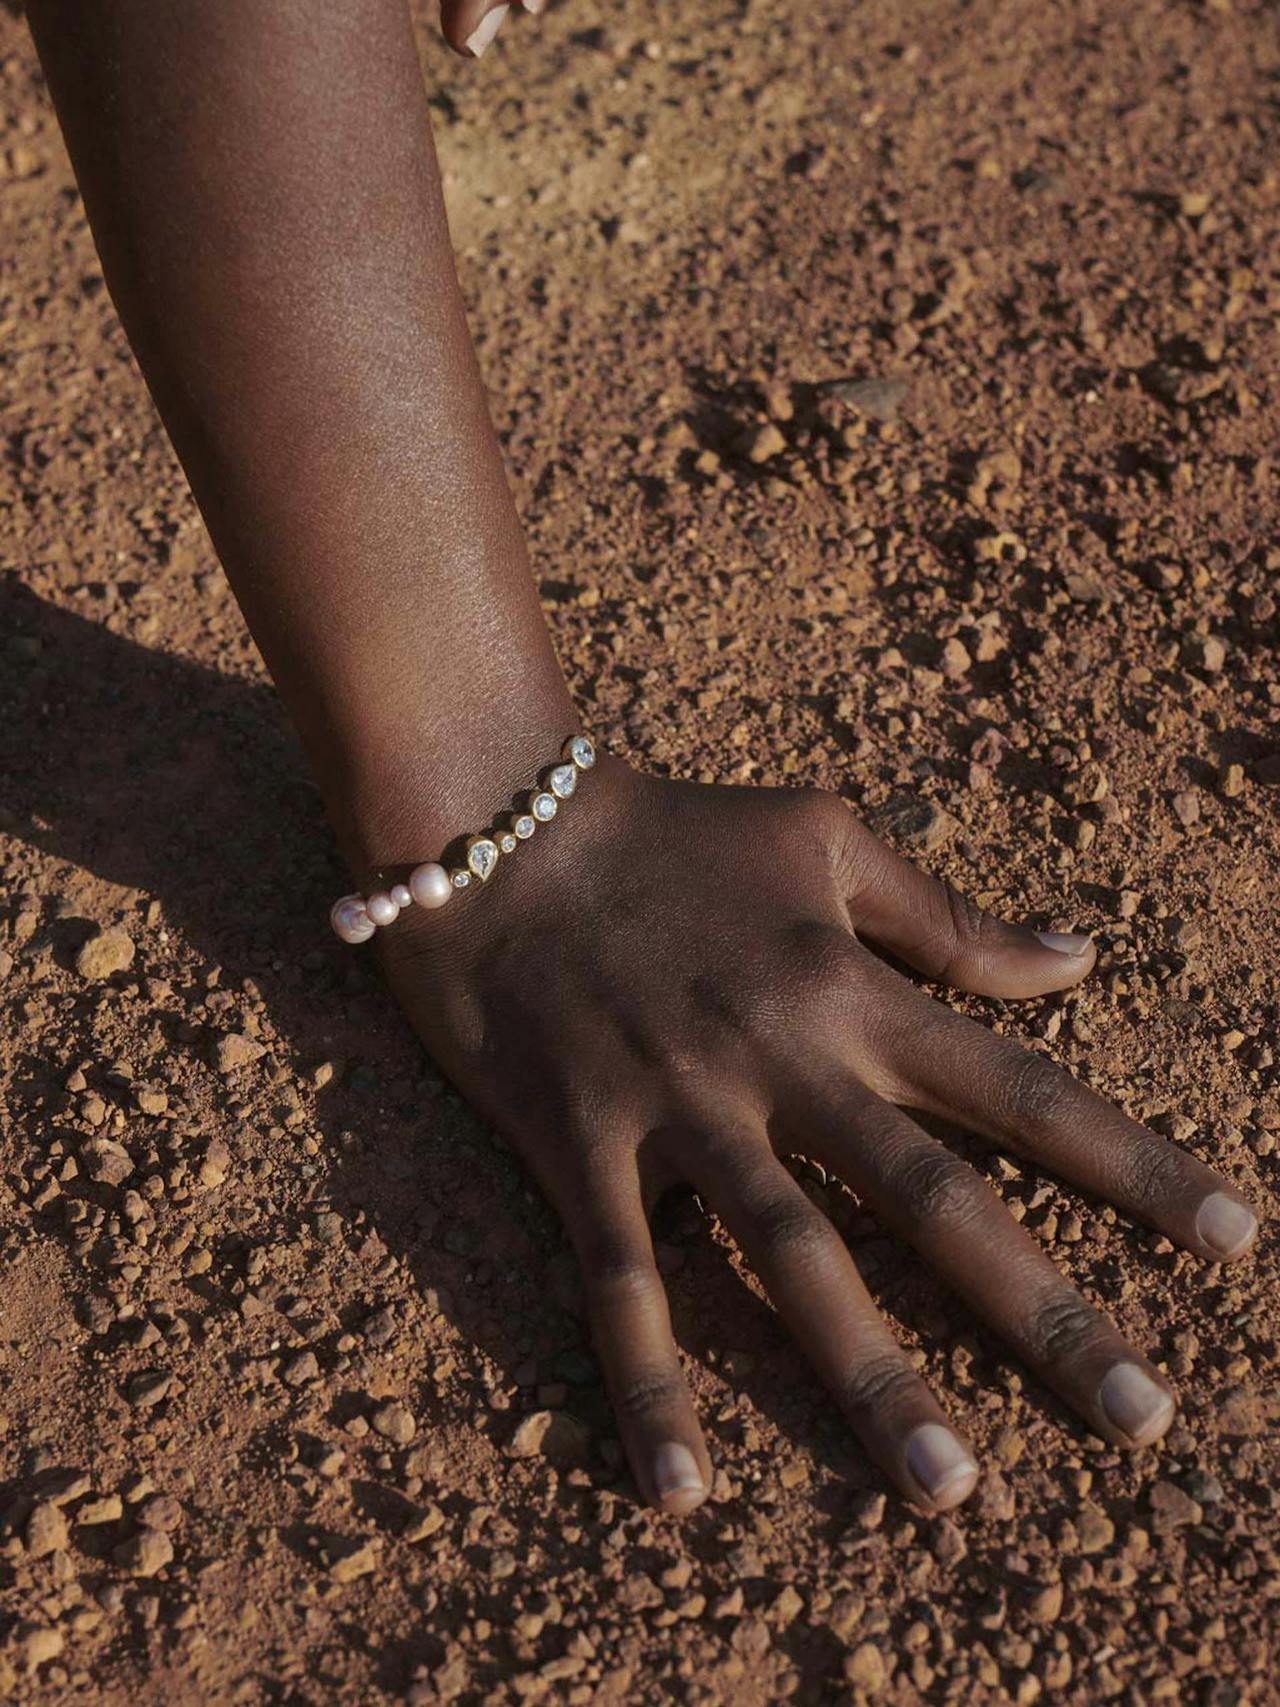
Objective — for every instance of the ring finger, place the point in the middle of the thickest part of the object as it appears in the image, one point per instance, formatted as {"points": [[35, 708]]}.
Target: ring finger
{"points": [[940, 1205]]}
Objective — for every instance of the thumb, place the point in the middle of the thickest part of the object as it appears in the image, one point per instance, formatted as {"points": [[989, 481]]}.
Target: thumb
{"points": [[470, 25], [943, 934]]}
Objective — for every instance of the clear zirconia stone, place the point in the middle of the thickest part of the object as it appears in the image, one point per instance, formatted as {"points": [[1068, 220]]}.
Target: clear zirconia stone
{"points": [[582, 752], [482, 856], [524, 826], [563, 781], [507, 842], [543, 807], [460, 879]]}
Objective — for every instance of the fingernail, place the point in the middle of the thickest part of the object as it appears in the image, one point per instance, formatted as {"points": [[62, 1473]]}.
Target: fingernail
{"points": [[535, 6], [943, 1468], [1225, 1225], [675, 1471], [1063, 942], [485, 30], [1135, 1403]]}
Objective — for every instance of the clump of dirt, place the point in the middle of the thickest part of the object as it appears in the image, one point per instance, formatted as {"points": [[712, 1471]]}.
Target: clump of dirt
{"points": [[891, 394]]}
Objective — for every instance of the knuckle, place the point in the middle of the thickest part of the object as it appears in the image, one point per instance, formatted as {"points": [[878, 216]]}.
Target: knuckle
{"points": [[640, 1397], [1061, 1328], [615, 1278], [881, 1382], [820, 957], [938, 1188], [1035, 1092], [1156, 1172], [791, 1231]]}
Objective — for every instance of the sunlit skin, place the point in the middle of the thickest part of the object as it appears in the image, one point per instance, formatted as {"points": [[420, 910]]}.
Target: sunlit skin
{"points": [[673, 982]]}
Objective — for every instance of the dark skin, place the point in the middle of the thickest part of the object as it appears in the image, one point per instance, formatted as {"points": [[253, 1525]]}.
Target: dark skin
{"points": [[672, 982]]}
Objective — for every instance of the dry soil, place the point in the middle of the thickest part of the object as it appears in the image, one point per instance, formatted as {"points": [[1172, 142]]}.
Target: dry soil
{"points": [[892, 395]]}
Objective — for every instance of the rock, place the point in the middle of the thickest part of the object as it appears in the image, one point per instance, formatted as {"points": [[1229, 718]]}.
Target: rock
{"points": [[423, 1524], [328, 1227], [148, 1388], [108, 1509], [1186, 807], [296, 1371], [1207, 652], [1096, 1531], [395, 1423], [160, 1511], [880, 399], [914, 822], [1171, 1508], [1231, 782], [215, 1164], [106, 952], [46, 1530], [144, 1554], [949, 1545], [151, 1099], [765, 442], [105, 1161], [235, 1050], [777, 402], [1045, 1604], [551, 1434], [359, 1562], [380, 1328], [864, 1668], [39, 1646]]}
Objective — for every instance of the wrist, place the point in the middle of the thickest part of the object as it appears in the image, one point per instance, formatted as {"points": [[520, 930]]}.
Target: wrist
{"points": [[396, 805], [561, 867]]}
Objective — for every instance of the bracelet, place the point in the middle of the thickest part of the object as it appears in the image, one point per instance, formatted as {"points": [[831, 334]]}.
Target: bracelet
{"points": [[356, 917]]}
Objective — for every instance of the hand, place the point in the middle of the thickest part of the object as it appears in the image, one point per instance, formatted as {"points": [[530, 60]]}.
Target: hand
{"points": [[669, 984], [470, 25]]}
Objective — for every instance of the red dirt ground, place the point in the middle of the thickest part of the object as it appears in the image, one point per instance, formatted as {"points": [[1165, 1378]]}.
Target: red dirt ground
{"points": [[273, 1305]]}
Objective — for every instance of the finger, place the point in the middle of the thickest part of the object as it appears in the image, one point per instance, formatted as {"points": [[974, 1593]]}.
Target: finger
{"points": [[946, 936], [941, 1206], [631, 1331], [470, 25], [995, 1086], [811, 1280]]}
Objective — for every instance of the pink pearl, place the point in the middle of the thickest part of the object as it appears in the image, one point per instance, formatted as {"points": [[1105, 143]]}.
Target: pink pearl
{"points": [[401, 896], [382, 909], [429, 885], [350, 920]]}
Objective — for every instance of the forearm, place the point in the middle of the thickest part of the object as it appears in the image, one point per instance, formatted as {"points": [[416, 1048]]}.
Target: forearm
{"points": [[263, 190]]}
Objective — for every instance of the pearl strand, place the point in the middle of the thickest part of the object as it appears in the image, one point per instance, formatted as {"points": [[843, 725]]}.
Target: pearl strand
{"points": [[355, 918]]}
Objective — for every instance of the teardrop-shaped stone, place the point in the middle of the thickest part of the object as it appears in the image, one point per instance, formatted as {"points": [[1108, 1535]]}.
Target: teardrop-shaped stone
{"points": [[482, 856], [563, 780]]}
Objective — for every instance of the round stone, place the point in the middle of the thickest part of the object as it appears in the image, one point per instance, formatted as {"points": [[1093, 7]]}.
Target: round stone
{"points": [[429, 885], [460, 879], [350, 920], [563, 780], [543, 807], [382, 909], [507, 842], [524, 826], [582, 752]]}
